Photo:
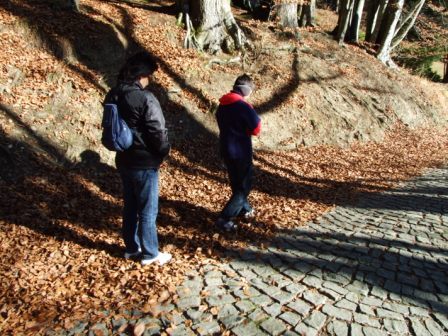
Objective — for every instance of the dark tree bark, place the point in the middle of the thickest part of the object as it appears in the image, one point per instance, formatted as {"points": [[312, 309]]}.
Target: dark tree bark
{"points": [[379, 21], [211, 25], [307, 12], [345, 12], [372, 13], [353, 35]]}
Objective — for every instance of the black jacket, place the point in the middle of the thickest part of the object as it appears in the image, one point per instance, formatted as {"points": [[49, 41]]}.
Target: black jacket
{"points": [[142, 112]]}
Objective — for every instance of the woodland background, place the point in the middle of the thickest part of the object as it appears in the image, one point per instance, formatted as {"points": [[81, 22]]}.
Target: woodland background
{"points": [[337, 123]]}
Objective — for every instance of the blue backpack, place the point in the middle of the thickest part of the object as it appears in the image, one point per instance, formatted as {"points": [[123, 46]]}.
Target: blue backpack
{"points": [[117, 136]]}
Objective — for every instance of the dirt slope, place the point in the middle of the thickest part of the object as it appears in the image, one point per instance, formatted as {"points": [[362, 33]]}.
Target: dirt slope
{"points": [[310, 91]]}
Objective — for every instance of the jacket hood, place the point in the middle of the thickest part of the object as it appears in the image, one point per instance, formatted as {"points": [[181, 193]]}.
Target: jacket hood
{"points": [[230, 98]]}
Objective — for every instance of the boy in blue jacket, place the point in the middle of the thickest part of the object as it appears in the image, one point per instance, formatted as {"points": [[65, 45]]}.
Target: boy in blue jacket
{"points": [[237, 122]]}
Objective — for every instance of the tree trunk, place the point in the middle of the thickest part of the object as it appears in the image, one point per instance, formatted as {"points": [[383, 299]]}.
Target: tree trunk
{"points": [[388, 31], [372, 13], [353, 35], [378, 21], [307, 12], [287, 13], [407, 23], [211, 26], [345, 12]]}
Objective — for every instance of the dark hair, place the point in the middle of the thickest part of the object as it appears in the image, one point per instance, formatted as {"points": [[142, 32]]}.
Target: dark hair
{"points": [[138, 65], [245, 80], [244, 85]]}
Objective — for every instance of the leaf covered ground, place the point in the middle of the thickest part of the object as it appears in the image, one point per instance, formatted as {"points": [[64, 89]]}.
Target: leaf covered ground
{"points": [[60, 239]]}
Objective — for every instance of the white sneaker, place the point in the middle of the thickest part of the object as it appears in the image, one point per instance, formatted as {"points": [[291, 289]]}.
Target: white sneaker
{"points": [[250, 214], [162, 258]]}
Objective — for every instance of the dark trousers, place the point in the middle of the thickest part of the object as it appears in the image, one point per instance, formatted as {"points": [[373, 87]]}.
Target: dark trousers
{"points": [[240, 173]]}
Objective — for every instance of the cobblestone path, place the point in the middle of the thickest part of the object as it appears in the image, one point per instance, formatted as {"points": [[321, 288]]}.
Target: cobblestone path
{"points": [[377, 268]]}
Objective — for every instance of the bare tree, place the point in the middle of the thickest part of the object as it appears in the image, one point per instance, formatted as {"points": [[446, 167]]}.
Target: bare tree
{"points": [[210, 25], [353, 34], [388, 29], [286, 12], [307, 13], [345, 13]]}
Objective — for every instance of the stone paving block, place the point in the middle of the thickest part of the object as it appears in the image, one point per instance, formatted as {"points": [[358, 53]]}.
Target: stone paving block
{"points": [[258, 315], [353, 297], [346, 304], [358, 287], [396, 307], [194, 314], [316, 320], [273, 326], [433, 327], [395, 326], [335, 287], [314, 297], [305, 330], [372, 301], [425, 295], [246, 292], [207, 328], [180, 331], [261, 300], [369, 331], [418, 311], [227, 309], [330, 293], [336, 278], [213, 281], [271, 291], [312, 281], [284, 297], [383, 313], [189, 302], [231, 321], [367, 320], [273, 310], [379, 292], [220, 300], [442, 319], [245, 306], [335, 312], [295, 288], [290, 318], [300, 307], [246, 329], [294, 274], [185, 291], [213, 290], [355, 330], [338, 328], [418, 327]]}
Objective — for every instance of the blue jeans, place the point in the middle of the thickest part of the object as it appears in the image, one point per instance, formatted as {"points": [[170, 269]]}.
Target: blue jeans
{"points": [[240, 173], [141, 201]]}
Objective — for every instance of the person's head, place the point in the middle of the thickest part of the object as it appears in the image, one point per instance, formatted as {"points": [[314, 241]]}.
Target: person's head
{"points": [[138, 67], [244, 85]]}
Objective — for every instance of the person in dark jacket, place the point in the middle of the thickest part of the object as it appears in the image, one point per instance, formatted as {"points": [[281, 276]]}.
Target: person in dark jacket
{"points": [[237, 122], [139, 165]]}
